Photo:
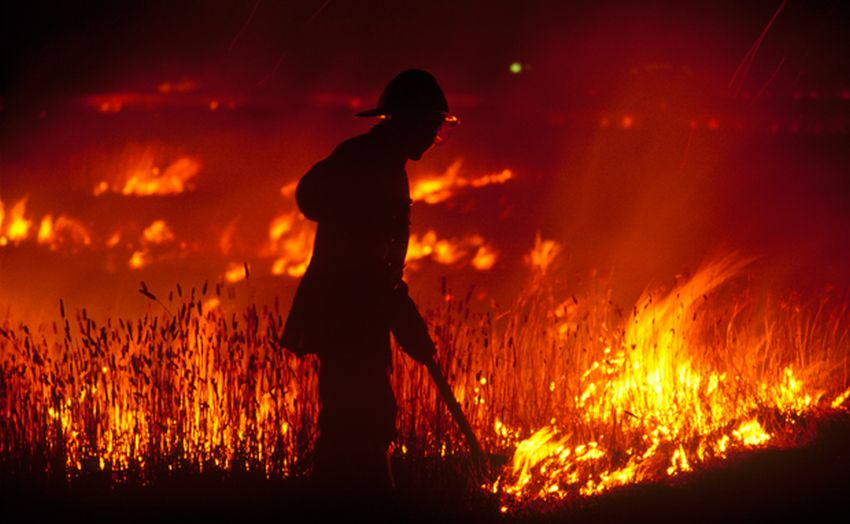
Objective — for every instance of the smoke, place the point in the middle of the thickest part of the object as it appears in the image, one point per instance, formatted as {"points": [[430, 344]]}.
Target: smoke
{"points": [[626, 146]]}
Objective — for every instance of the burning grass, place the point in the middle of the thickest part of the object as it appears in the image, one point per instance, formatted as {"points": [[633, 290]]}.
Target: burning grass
{"points": [[583, 395]]}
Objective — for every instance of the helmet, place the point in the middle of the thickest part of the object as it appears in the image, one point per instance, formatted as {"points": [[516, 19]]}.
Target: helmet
{"points": [[412, 92]]}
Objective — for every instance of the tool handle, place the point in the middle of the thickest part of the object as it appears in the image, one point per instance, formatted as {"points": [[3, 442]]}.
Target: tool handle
{"points": [[456, 411]]}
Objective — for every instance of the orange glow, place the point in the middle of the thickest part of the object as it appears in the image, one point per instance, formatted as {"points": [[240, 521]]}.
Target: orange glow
{"points": [[235, 272], [175, 179], [139, 259], [183, 86], [543, 254], [45, 230], [113, 239], [288, 190], [485, 258], [627, 122], [157, 233]]}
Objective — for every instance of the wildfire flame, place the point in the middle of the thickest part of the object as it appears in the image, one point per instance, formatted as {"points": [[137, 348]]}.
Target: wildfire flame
{"points": [[451, 251], [666, 395], [15, 228], [291, 244], [438, 188], [689, 377], [543, 254], [158, 232], [16, 225], [140, 174]]}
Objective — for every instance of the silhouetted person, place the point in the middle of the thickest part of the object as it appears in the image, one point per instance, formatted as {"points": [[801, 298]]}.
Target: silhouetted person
{"points": [[352, 294]]}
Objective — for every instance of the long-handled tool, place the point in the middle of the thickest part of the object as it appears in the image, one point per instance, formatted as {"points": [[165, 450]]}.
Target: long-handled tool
{"points": [[457, 413], [411, 332]]}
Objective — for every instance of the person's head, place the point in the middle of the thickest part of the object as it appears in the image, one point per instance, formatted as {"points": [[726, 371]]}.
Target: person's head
{"points": [[415, 109]]}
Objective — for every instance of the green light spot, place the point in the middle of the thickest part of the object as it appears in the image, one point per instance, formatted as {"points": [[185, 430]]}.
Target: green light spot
{"points": [[516, 68]]}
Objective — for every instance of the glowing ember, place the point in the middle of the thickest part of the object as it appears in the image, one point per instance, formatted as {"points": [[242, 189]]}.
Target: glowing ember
{"points": [[158, 232]]}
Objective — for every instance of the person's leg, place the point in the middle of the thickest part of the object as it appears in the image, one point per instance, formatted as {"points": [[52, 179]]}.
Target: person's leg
{"points": [[356, 426]]}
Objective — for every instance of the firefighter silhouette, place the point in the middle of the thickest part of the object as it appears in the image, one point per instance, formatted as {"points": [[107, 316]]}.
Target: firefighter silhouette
{"points": [[352, 294]]}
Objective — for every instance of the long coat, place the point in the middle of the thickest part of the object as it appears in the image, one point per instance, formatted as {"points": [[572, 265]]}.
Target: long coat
{"points": [[360, 197], [349, 300]]}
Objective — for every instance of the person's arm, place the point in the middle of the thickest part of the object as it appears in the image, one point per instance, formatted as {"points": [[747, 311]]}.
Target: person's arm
{"points": [[409, 328]]}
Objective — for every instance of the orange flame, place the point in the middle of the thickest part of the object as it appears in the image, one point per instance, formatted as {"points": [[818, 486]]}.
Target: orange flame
{"points": [[543, 254], [236, 272], [660, 399], [142, 175], [16, 228], [679, 383], [451, 251], [139, 259], [436, 189], [158, 232], [16, 225], [291, 244]]}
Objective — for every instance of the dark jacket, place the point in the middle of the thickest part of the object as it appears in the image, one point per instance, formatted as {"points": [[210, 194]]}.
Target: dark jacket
{"points": [[360, 197]]}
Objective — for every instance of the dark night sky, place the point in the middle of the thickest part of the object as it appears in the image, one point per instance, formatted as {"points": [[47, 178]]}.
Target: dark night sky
{"points": [[54, 48]]}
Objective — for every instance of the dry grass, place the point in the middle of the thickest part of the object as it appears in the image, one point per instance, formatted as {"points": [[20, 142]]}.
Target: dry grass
{"points": [[628, 394]]}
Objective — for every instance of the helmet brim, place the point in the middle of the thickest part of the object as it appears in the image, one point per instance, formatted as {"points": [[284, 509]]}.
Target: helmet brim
{"points": [[369, 113]]}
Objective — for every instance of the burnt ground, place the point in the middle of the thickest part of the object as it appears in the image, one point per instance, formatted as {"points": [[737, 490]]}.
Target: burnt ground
{"points": [[806, 484]]}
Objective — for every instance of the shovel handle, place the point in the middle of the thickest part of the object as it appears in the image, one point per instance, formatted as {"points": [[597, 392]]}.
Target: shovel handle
{"points": [[456, 411]]}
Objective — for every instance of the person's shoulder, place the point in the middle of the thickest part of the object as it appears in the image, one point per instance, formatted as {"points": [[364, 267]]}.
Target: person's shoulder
{"points": [[356, 146]]}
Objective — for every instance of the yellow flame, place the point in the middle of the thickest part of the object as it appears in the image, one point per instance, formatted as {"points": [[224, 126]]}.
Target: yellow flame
{"points": [[659, 396], [45, 230], [17, 225], [139, 259]]}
